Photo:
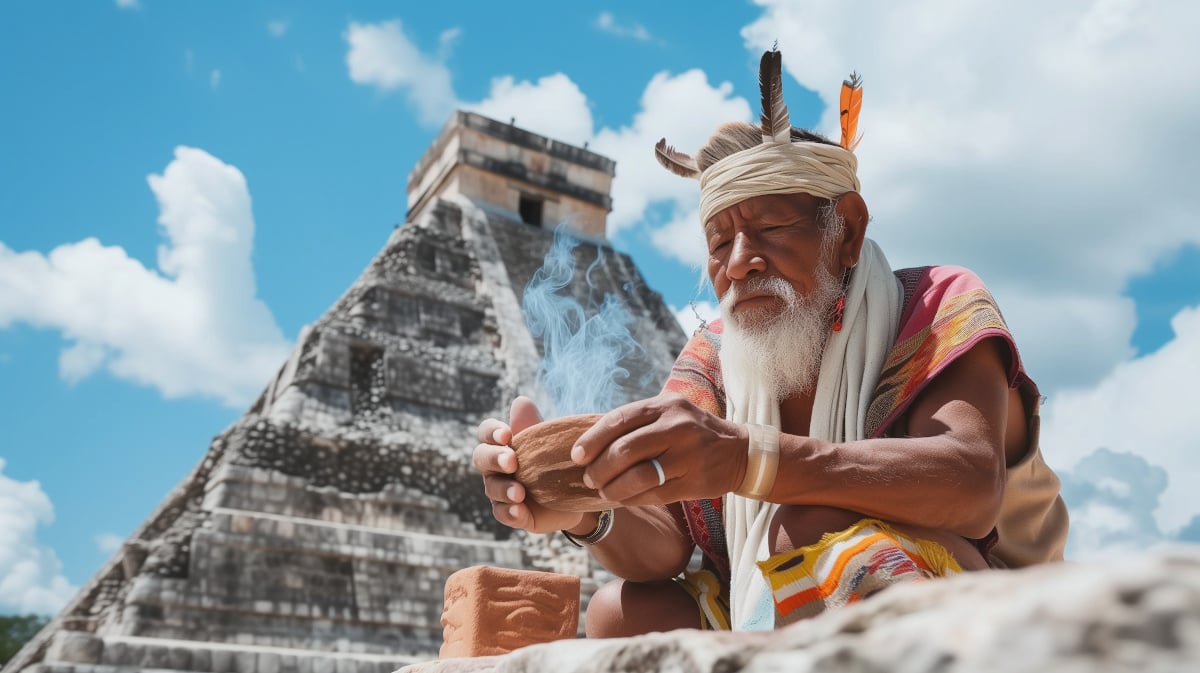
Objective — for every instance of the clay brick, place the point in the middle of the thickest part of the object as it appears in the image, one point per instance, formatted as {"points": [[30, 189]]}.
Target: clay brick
{"points": [[490, 611]]}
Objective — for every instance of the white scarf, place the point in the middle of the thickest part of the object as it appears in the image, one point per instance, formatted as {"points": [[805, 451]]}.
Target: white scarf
{"points": [[850, 369]]}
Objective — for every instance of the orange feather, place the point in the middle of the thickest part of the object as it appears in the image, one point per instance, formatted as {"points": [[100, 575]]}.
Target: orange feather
{"points": [[850, 107]]}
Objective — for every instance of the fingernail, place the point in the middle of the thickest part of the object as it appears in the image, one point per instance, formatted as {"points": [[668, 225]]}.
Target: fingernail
{"points": [[577, 454], [512, 511], [512, 492], [587, 481], [496, 435]]}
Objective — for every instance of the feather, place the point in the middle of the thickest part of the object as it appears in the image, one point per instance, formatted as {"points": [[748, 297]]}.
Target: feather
{"points": [[675, 161], [776, 128], [850, 107]]}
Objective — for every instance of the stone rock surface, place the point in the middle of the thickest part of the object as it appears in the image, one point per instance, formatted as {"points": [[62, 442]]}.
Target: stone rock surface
{"points": [[545, 468], [1128, 614], [493, 611]]}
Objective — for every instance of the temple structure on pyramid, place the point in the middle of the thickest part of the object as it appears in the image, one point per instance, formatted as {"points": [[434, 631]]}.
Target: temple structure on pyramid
{"points": [[316, 533]]}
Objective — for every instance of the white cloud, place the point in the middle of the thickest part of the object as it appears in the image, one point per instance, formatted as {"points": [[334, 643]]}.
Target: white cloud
{"points": [[192, 327], [214, 79], [553, 106], [381, 55], [1145, 407], [681, 239], [81, 360], [31, 579], [128, 4], [609, 24], [695, 314], [446, 42], [1112, 497], [686, 109], [277, 27], [1036, 143], [108, 543]]}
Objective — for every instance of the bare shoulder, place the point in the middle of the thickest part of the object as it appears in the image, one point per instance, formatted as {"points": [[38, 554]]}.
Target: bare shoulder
{"points": [[971, 395]]}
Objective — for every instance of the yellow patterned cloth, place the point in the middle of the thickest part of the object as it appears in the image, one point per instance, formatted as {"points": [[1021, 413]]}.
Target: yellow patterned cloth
{"points": [[848, 566], [705, 588]]}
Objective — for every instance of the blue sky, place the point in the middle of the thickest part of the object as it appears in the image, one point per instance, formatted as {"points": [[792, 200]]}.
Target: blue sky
{"points": [[139, 316]]}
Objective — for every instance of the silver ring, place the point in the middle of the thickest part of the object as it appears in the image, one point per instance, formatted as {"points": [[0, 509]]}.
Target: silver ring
{"points": [[662, 476]]}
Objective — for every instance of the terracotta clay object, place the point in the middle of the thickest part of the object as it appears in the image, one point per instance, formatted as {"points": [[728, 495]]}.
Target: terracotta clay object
{"points": [[544, 465], [490, 611]]}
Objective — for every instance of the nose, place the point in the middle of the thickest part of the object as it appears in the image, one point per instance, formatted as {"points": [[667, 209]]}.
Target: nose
{"points": [[744, 259]]}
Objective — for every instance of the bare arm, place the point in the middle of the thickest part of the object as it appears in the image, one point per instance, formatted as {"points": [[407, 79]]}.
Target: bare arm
{"points": [[946, 473]]}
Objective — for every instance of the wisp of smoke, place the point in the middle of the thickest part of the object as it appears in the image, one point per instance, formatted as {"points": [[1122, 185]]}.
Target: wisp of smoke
{"points": [[580, 370]]}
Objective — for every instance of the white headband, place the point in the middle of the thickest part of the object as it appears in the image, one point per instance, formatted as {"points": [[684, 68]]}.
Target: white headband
{"points": [[825, 171]]}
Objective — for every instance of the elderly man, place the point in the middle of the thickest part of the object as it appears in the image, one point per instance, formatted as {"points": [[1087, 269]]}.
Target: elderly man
{"points": [[842, 428]]}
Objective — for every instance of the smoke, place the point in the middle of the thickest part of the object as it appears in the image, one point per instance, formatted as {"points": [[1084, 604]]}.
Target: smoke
{"points": [[580, 370]]}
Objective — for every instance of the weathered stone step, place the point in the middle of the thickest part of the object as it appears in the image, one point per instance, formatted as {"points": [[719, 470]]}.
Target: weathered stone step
{"points": [[246, 488], [242, 528], [123, 654]]}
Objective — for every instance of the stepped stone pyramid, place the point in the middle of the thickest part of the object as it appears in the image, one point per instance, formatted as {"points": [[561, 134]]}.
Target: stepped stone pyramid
{"points": [[317, 533]]}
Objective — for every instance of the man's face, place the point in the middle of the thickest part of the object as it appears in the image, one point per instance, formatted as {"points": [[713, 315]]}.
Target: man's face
{"points": [[765, 238], [774, 271]]}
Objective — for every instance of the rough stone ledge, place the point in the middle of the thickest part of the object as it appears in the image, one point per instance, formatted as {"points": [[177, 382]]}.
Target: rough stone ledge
{"points": [[1129, 614]]}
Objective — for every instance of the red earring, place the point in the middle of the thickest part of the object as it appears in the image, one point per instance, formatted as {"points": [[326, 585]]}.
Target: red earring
{"points": [[839, 308]]}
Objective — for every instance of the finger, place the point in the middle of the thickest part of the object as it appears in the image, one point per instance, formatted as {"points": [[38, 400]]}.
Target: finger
{"points": [[513, 516], [523, 414], [639, 481], [501, 490], [613, 425], [494, 431], [623, 454], [489, 458]]}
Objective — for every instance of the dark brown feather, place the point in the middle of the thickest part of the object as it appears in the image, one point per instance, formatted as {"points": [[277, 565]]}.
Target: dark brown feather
{"points": [[675, 161], [776, 126]]}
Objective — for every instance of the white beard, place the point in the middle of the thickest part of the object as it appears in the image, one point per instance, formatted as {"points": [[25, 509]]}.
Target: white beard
{"points": [[780, 350]]}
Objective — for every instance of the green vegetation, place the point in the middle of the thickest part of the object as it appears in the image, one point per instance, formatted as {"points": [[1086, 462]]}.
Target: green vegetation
{"points": [[15, 631]]}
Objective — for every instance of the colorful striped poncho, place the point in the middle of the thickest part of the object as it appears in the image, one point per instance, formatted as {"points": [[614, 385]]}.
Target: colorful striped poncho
{"points": [[946, 311]]}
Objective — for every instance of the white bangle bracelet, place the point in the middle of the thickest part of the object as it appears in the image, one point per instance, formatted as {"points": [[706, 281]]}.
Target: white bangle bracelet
{"points": [[762, 462]]}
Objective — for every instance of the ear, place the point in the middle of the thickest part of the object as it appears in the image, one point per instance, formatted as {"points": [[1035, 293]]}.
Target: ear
{"points": [[854, 210]]}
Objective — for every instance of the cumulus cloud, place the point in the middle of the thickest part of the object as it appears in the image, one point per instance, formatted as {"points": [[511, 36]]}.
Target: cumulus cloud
{"points": [[31, 579], [381, 55], [194, 326], [1113, 497], [681, 238], [1036, 143], [277, 28], [108, 543], [685, 108], [1144, 407], [553, 106], [128, 4], [607, 23]]}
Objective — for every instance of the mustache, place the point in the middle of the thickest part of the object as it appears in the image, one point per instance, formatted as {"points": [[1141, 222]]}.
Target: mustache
{"points": [[773, 286]]}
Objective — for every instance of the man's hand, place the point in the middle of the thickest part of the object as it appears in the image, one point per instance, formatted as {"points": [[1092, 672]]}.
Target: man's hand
{"points": [[497, 461], [702, 456]]}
